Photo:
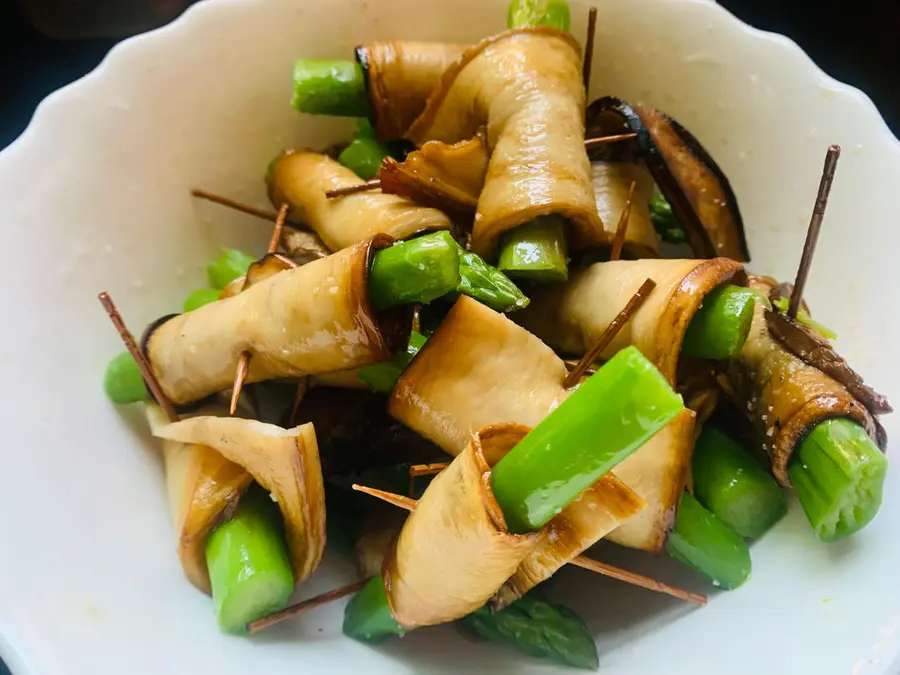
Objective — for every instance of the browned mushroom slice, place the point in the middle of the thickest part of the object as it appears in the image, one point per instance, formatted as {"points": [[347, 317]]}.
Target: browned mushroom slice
{"points": [[376, 536], [301, 178], [658, 473], [304, 321], [283, 461], [400, 76], [572, 316], [602, 508], [202, 486], [612, 181], [691, 181], [302, 246], [443, 176], [816, 351], [783, 396], [525, 86], [470, 374], [454, 551], [264, 268]]}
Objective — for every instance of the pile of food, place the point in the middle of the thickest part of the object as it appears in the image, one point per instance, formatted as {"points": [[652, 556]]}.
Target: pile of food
{"points": [[498, 325]]}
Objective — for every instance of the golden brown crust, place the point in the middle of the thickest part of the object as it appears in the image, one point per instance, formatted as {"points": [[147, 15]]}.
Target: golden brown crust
{"points": [[313, 319], [302, 177], [525, 86], [479, 368], [283, 461], [400, 76], [454, 550], [783, 396]]}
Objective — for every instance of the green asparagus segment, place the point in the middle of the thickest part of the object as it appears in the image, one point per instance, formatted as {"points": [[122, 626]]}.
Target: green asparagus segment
{"points": [[382, 377], [368, 617], [731, 484], [364, 157], [581, 440], [324, 87], [418, 270], [536, 250], [562, 456], [703, 542], [249, 570], [200, 297], [553, 13], [721, 325], [838, 474], [664, 221], [123, 382], [540, 629], [782, 304], [487, 284], [364, 128], [230, 265]]}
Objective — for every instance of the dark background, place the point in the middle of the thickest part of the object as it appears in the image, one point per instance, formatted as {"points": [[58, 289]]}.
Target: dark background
{"points": [[856, 42]]}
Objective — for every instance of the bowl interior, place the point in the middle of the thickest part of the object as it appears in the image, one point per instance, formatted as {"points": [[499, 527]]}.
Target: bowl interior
{"points": [[98, 190]]}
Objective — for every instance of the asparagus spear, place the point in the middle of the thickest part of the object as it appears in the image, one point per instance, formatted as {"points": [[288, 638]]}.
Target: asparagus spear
{"points": [[418, 270], [248, 564], [721, 325], [664, 221], [365, 153], [553, 13], [487, 284], [123, 382], [382, 377], [731, 484], [230, 265], [330, 88], [703, 542], [537, 250], [838, 474], [566, 453], [200, 297], [539, 629]]}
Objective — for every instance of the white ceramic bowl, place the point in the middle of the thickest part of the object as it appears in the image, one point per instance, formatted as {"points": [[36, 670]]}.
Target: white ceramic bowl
{"points": [[95, 196]]}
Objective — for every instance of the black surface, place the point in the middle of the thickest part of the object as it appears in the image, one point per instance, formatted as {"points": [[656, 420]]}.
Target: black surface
{"points": [[854, 42]]}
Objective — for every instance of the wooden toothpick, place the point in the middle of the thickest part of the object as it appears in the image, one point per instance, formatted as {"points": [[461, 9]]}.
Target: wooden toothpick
{"points": [[407, 503], [417, 470], [138, 356], [236, 205], [305, 606], [243, 366], [633, 304], [590, 564], [373, 184], [591, 143], [815, 225], [589, 50], [636, 579], [619, 238]]}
